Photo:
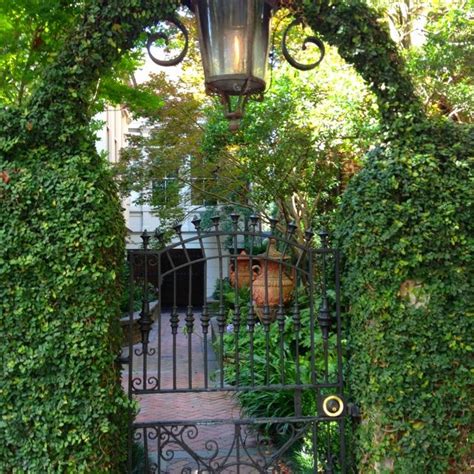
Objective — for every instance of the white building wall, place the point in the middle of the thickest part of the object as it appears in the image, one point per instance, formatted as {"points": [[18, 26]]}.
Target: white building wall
{"points": [[113, 136]]}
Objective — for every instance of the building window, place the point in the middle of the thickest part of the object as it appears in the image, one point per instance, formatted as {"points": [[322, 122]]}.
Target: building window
{"points": [[166, 191], [203, 182], [202, 191]]}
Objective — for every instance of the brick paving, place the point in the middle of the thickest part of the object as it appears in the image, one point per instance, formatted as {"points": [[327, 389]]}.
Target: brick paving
{"points": [[179, 444]]}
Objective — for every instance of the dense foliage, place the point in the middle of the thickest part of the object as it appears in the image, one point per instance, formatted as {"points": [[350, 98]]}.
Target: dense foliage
{"points": [[291, 157], [404, 227], [32, 35], [62, 237], [443, 69], [406, 230]]}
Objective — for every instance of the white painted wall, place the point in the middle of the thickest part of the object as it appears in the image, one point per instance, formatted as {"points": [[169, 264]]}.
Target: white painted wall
{"points": [[112, 138], [138, 217]]}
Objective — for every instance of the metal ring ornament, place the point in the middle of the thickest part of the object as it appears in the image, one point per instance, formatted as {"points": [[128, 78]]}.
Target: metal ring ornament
{"points": [[327, 411], [309, 39], [156, 36]]}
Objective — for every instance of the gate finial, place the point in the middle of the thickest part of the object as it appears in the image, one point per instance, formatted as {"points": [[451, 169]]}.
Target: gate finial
{"points": [[254, 220], [177, 228], [308, 235], [324, 237], [325, 319], [291, 228], [273, 224], [145, 238], [196, 222], [215, 220]]}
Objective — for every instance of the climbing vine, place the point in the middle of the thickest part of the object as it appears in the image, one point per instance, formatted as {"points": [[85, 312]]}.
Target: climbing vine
{"points": [[62, 238], [405, 227]]}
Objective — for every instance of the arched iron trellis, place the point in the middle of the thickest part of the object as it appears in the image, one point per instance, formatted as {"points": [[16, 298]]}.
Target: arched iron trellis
{"points": [[272, 327]]}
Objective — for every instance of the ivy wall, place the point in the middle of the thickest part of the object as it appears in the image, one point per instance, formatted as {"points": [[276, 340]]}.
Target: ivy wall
{"points": [[62, 242], [405, 229]]}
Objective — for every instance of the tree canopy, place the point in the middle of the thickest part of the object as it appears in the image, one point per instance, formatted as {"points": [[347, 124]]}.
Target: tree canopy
{"points": [[297, 149]]}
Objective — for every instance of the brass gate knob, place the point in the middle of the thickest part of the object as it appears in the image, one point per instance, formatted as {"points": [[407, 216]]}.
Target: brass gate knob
{"points": [[333, 406]]}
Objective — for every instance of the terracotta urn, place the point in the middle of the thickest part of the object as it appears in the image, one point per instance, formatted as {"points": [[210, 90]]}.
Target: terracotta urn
{"points": [[268, 276], [242, 276]]}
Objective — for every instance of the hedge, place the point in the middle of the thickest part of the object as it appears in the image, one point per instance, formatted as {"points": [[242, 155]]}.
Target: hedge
{"points": [[406, 230]]}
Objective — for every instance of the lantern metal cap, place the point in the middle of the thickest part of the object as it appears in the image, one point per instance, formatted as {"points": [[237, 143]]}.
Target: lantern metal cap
{"points": [[275, 4]]}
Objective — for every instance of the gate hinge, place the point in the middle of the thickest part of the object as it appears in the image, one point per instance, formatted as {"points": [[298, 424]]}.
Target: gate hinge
{"points": [[354, 412]]}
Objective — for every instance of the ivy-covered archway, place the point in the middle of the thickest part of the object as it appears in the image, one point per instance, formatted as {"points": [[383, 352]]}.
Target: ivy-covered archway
{"points": [[62, 243]]}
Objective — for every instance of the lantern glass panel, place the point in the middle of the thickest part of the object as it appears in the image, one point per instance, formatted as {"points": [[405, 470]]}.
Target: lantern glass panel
{"points": [[234, 37]]}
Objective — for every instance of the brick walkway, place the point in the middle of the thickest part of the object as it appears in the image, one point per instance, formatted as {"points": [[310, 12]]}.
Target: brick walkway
{"points": [[178, 444]]}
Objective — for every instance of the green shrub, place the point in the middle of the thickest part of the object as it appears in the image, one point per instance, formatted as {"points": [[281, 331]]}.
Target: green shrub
{"points": [[60, 402]]}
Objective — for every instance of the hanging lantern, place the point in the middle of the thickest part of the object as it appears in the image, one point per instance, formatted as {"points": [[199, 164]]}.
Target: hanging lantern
{"points": [[234, 39]]}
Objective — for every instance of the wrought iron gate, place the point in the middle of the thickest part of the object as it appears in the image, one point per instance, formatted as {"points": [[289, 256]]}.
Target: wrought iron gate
{"points": [[271, 334]]}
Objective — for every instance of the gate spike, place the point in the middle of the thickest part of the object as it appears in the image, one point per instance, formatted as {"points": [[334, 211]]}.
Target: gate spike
{"points": [[308, 235], [145, 238], [196, 222], [215, 220], [235, 218], [324, 237], [254, 220], [273, 224], [292, 228]]}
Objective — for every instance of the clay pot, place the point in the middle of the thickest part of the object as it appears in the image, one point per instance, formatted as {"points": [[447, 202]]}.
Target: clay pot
{"points": [[268, 274], [243, 275]]}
